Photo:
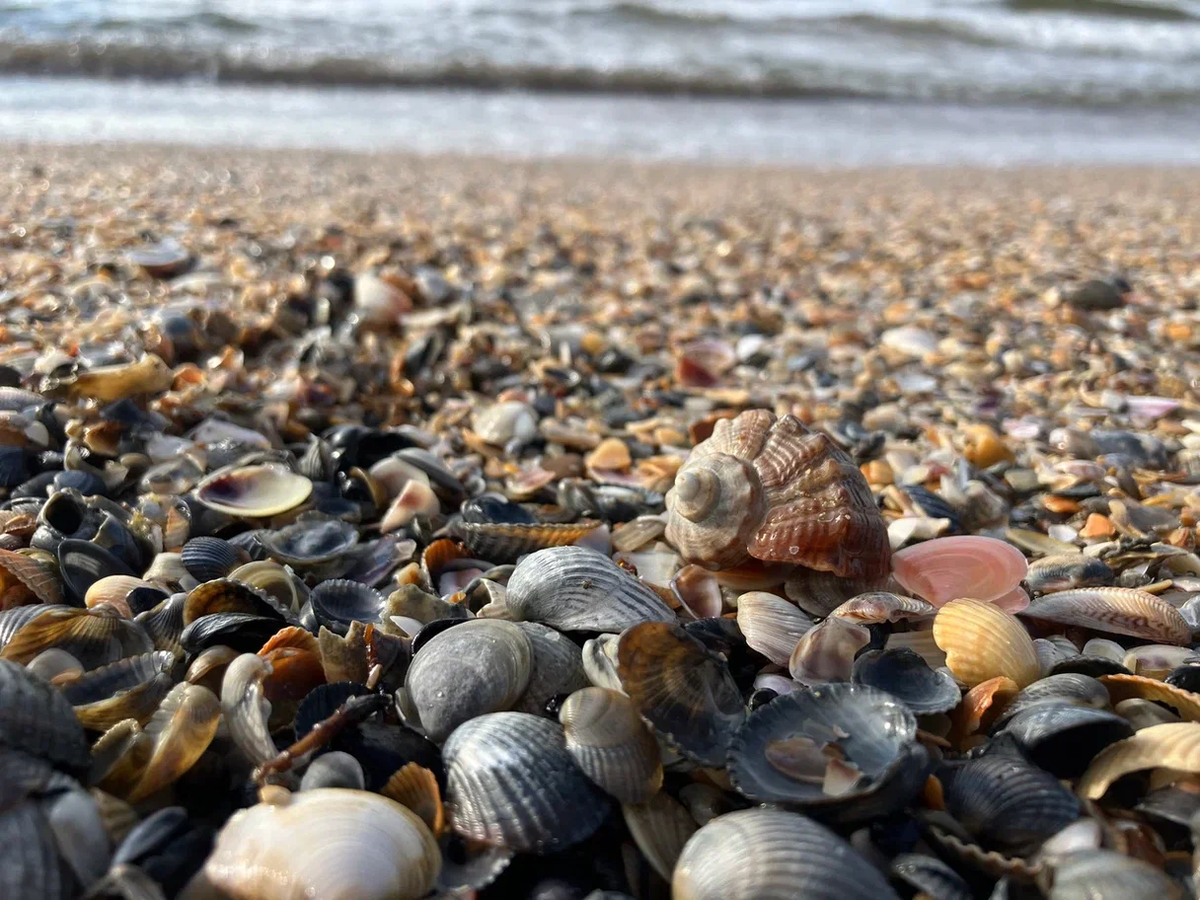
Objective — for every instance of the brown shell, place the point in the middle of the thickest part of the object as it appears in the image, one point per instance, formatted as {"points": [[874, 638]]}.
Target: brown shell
{"points": [[982, 641], [1175, 746], [770, 489], [36, 578], [1114, 611], [416, 787], [1125, 687]]}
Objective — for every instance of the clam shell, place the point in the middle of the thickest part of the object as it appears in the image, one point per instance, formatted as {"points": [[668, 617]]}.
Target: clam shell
{"points": [[877, 607], [1126, 687], [207, 558], [130, 688], [1065, 688], [904, 675], [1101, 874], [576, 589], [1175, 746], [770, 854], [947, 568], [827, 652], [769, 489], [39, 580], [331, 843], [981, 641], [256, 492], [557, 668], [32, 866], [661, 827], [36, 719], [682, 689], [274, 580], [224, 595], [1067, 571], [611, 744], [113, 590], [511, 783], [1063, 739], [503, 542], [415, 787], [93, 639], [333, 770], [480, 666], [338, 602], [771, 625], [245, 708], [1114, 611]]}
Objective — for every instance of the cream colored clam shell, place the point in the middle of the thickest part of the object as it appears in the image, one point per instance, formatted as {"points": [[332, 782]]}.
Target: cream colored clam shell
{"points": [[771, 625], [1175, 745], [982, 641]]}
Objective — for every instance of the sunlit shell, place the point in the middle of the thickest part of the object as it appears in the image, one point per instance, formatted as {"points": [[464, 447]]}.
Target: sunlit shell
{"points": [[1156, 660], [770, 854], [330, 843], [149, 375], [254, 491], [609, 741], [94, 639], [206, 558], [113, 590], [1113, 610], [1174, 746], [981, 641], [681, 688], [771, 625], [920, 642], [131, 688], [827, 652], [661, 827], [246, 708], [500, 423], [416, 499], [502, 542], [273, 579], [1106, 873], [224, 595], [771, 490], [416, 787], [338, 602], [1066, 571], [208, 667], [980, 707], [1126, 687], [947, 568], [38, 581], [877, 607]]}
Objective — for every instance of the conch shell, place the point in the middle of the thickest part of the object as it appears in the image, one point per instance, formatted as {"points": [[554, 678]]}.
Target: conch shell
{"points": [[769, 489]]}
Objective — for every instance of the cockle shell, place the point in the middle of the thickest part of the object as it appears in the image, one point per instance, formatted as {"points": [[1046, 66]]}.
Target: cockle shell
{"points": [[1114, 611], [661, 827], [771, 625], [612, 745], [982, 641], [947, 568], [1175, 745], [333, 843], [769, 489]]}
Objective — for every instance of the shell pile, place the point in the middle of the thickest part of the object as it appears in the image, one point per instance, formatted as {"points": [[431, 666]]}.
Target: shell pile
{"points": [[401, 577]]}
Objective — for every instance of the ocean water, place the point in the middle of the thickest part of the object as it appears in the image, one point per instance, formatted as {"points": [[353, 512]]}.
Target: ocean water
{"points": [[761, 80]]}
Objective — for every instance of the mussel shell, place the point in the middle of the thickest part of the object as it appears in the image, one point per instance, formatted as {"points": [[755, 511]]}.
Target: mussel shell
{"points": [[207, 558], [311, 543], [906, 676], [257, 491], [1063, 739], [36, 719], [83, 563], [771, 854], [241, 631], [682, 689], [338, 602], [511, 783], [504, 543]]}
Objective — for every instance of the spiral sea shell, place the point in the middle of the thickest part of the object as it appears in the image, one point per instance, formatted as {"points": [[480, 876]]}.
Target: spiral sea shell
{"points": [[768, 489]]}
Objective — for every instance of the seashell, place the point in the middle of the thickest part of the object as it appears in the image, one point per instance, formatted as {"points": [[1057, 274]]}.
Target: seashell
{"points": [[24, 579], [415, 787], [37, 720], [600, 661], [93, 639], [827, 652], [557, 668], [661, 827], [207, 558], [393, 473], [682, 689], [255, 492], [1114, 611], [208, 667], [921, 643], [242, 631], [223, 595], [274, 580], [771, 625], [820, 593], [149, 375], [877, 607], [1100, 874], [929, 876], [980, 707], [130, 688], [1066, 572], [333, 770], [1158, 660], [981, 641], [1065, 688], [56, 666], [113, 590], [330, 843], [1126, 687], [415, 500], [344, 657], [576, 589], [480, 666], [904, 675], [33, 867], [308, 544], [948, 568], [769, 489], [611, 744], [504, 543], [166, 569], [339, 602], [509, 421], [492, 510], [1063, 739], [770, 854], [164, 623], [1144, 713], [841, 752], [511, 783], [246, 709], [83, 563], [1174, 746]]}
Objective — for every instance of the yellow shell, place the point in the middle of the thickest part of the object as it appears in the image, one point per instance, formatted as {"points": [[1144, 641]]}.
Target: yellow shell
{"points": [[770, 489], [1175, 745], [1125, 687], [982, 641]]}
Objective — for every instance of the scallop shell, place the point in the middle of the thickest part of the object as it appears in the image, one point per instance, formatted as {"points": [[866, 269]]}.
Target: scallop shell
{"points": [[557, 668], [681, 688], [480, 666], [769, 489], [1126, 687], [39, 580], [502, 542], [947, 568], [416, 788], [331, 843], [164, 623], [981, 641], [904, 675], [771, 625], [1114, 611], [770, 854], [609, 741], [511, 783], [661, 827], [256, 492], [1175, 746], [36, 719], [576, 589], [130, 688]]}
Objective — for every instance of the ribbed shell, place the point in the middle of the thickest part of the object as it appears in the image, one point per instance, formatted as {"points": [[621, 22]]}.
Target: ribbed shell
{"points": [[503, 542], [787, 495], [904, 675], [1105, 874], [223, 595], [477, 667], [95, 640], [511, 783], [13, 620], [682, 689], [1175, 745], [32, 867], [246, 710], [39, 579], [981, 641], [164, 623], [771, 625], [1114, 611], [577, 589], [661, 827], [1063, 739], [769, 854], [179, 733], [557, 668], [1125, 687], [331, 843], [207, 558], [1069, 688], [609, 741], [130, 688], [1066, 571], [36, 719], [415, 787]]}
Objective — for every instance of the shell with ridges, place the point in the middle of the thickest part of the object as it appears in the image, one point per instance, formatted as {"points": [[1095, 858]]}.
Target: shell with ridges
{"points": [[981, 641], [246, 709], [503, 542], [1113, 610], [415, 787], [771, 625], [1127, 687], [37, 579], [130, 688], [609, 741], [661, 827], [179, 731], [1175, 745], [36, 719], [93, 639], [906, 676], [557, 668]]}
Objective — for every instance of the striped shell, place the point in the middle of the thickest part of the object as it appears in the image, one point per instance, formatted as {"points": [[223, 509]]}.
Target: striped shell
{"points": [[609, 741], [1112, 610], [769, 489], [1127, 687], [981, 641], [771, 625], [505, 542], [36, 719], [1175, 745]]}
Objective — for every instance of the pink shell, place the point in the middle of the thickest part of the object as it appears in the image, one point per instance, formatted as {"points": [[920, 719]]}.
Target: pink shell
{"points": [[948, 568]]}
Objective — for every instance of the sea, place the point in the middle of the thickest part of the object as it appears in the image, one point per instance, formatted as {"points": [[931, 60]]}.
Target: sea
{"points": [[826, 82]]}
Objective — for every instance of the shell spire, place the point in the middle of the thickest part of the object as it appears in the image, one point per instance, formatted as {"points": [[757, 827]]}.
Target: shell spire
{"points": [[769, 489]]}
